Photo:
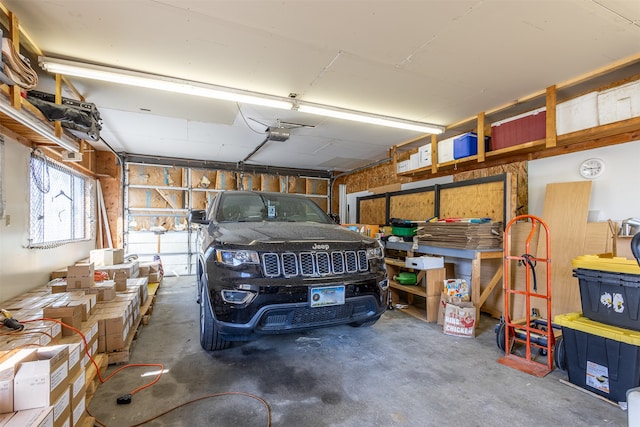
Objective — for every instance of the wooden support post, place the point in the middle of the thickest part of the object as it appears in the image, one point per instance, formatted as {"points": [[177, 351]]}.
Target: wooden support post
{"points": [[551, 138], [434, 154], [57, 126], [480, 131], [14, 34]]}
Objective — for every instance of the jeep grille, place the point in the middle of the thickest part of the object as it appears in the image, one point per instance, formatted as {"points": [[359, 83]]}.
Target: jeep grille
{"points": [[290, 264]]}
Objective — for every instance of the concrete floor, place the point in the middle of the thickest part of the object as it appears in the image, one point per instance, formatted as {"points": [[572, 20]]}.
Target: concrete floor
{"points": [[400, 372]]}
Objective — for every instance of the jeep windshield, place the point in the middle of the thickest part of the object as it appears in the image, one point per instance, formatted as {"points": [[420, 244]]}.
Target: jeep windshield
{"points": [[254, 207]]}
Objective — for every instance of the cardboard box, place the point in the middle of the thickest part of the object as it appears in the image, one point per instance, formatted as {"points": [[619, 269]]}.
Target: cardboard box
{"points": [[131, 269], [104, 291], [424, 262], [78, 384], [58, 287], [4, 418], [69, 314], [80, 276], [37, 417], [80, 270], [414, 161], [9, 364], [78, 413], [445, 150], [155, 277], [106, 257], [62, 409], [40, 382], [58, 274], [75, 356], [402, 166], [457, 288], [424, 155], [120, 279]]}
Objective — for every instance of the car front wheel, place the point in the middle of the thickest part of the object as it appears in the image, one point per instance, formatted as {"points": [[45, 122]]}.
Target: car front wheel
{"points": [[209, 337]]}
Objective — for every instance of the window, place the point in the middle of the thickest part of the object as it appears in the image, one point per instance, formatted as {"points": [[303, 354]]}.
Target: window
{"points": [[61, 203]]}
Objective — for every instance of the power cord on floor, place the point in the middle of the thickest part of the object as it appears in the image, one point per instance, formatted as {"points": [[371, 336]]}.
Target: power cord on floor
{"points": [[126, 398], [208, 396]]}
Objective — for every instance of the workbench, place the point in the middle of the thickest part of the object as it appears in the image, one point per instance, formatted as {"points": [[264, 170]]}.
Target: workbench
{"points": [[479, 291]]}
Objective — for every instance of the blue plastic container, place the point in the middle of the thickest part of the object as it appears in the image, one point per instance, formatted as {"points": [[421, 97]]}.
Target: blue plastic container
{"points": [[467, 145]]}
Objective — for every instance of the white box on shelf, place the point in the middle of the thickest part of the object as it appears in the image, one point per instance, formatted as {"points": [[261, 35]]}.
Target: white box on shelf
{"points": [[424, 156], [414, 161], [403, 166], [445, 150], [619, 103], [424, 262], [577, 114]]}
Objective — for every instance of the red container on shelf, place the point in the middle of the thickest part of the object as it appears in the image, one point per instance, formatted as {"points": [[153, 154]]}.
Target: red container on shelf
{"points": [[518, 131]]}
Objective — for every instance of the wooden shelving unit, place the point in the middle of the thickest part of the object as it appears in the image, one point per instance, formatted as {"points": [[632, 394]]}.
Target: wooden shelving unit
{"points": [[421, 299], [609, 134]]}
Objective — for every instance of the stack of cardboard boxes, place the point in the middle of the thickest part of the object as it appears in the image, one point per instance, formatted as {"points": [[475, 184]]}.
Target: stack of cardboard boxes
{"points": [[43, 369], [42, 387]]}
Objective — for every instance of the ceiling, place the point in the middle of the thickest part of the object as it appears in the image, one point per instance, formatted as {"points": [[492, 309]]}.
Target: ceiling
{"points": [[434, 61]]}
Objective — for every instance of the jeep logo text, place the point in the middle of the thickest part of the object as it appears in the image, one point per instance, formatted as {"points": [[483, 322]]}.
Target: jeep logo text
{"points": [[317, 247]]}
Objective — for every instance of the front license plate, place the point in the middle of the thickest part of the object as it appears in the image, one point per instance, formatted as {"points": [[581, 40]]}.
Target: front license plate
{"points": [[328, 295]]}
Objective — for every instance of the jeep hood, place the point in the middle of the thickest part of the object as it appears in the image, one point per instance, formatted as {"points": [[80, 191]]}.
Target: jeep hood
{"points": [[255, 233]]}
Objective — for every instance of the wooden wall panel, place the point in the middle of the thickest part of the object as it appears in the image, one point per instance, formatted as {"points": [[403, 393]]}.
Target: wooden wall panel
{"points": [[156, 175], [202, 199], [413, 206], [297, 185], [322, 202], [472, 201], [156, 198], [226, 180], [372, 211], [250, 181], [168, 222], [270, 182], [203, 178]]}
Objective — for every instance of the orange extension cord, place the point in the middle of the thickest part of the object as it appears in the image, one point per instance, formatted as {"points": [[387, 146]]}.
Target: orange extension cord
{"points": [[155, 380]]}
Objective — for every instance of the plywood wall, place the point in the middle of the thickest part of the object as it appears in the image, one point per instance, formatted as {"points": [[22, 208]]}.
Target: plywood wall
{"points": [[517, 170], [412, 206], [473, 201], [372, 211]]}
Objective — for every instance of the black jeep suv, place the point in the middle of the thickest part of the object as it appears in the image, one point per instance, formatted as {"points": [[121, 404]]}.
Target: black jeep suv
{"points": [[271, 263]]}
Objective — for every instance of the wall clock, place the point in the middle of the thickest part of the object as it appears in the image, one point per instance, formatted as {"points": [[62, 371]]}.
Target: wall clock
{"points": [[592, 168]]}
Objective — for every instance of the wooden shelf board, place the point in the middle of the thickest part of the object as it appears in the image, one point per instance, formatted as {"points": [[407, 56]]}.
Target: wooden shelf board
{"points": [[419, 313], [412, 289]]}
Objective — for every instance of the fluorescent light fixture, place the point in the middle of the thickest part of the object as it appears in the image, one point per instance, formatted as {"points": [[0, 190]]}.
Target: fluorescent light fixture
{"points": [[37, 126], [170, 84], [374, 119]]}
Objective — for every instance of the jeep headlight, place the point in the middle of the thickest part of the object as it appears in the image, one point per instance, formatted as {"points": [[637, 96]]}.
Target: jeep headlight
{"points": [[375, 253], [236, 258]]}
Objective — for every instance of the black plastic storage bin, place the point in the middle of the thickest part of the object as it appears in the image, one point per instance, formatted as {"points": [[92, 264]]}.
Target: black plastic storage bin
{"points": [[600, 358], [611, 298]]}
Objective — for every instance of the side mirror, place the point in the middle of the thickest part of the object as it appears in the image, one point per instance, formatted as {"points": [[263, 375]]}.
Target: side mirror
{"points": [[198, 216], [335, 218]]}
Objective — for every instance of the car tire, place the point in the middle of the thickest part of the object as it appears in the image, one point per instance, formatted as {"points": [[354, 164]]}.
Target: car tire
{"points": [[209, 338], [365, 323]]}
